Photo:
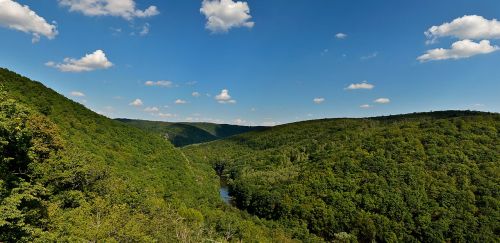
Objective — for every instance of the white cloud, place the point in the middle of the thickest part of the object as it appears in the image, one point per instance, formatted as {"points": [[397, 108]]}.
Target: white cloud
{"points": [[161, 83], [269, 123], [89, 62], [180, 102], [373, 55], [145, 29], [467, 27], [318, 100], [224, 97], [151, 109], [362, 85], [341, 36], [136, 103], [118, 8], [365, 106], [222, 15], [382, 101], [18, 17], [460, 49], [77, 94], [239, 121], [196, 94], [166, 115]]}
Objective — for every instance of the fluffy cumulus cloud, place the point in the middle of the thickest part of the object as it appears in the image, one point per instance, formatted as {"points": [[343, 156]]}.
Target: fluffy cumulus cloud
{"points": [[362, 85], [467, 27], [136, 103], [180, 102], [196, 94], [224, 97], [222, 15], [119, 8], [459, 50], [161, 83], [318, 100], [77, 94], [341, 36], [382, 101], [18, 17], [89, 62]]}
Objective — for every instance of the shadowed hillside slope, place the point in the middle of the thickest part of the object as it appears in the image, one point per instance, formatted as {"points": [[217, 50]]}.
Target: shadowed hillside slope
{"points": [[185, 133]]}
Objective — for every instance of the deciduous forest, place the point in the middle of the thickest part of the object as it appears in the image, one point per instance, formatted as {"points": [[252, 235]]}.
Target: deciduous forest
{"points": [[69, 174]]}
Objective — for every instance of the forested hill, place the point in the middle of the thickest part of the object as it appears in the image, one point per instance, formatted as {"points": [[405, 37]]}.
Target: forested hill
{"points": [[69, 174], [429, 177], [187, 133]]}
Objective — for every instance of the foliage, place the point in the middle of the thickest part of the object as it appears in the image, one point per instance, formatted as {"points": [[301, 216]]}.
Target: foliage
{"points": [[69, 174], [185, 133], [431, 177]]}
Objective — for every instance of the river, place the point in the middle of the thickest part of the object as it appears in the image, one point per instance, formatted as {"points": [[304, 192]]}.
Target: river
{"points": [[224, 193]]}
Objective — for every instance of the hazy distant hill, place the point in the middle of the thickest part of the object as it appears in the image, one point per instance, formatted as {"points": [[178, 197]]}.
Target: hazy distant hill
{"points": [[422, 177], [182, 134]]}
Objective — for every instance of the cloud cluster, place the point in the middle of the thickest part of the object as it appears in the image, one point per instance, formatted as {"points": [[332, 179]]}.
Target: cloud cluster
{"points": [[89, 62], [18, 17], [467, 29], [459, 50], [119, 8], [362, 85], [161, 83], [222, 15], [224, 97]]}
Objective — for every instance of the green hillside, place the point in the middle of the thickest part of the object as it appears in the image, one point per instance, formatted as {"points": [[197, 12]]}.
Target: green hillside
{"points": [[69, 174], [428, 177], [182, 134]]}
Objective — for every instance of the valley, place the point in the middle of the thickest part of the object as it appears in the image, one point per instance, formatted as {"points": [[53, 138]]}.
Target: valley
{"points": [[414, 178]]}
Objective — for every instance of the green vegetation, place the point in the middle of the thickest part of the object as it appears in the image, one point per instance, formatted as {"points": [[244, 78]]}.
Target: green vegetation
{"points": [[185, 133], [429, 177], [69, 174]]}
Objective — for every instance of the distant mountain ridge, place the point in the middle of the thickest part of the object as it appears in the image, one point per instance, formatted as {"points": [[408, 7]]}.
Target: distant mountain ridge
{"points": [[186, 133]]}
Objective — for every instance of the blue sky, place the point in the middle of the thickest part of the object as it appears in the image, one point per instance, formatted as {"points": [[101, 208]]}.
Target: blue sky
{"points": [[279, 61]]}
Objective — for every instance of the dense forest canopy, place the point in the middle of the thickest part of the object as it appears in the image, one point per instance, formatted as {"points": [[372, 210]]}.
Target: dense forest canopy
{"points": [[429, 177], [69, 174], [186, 133]]}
